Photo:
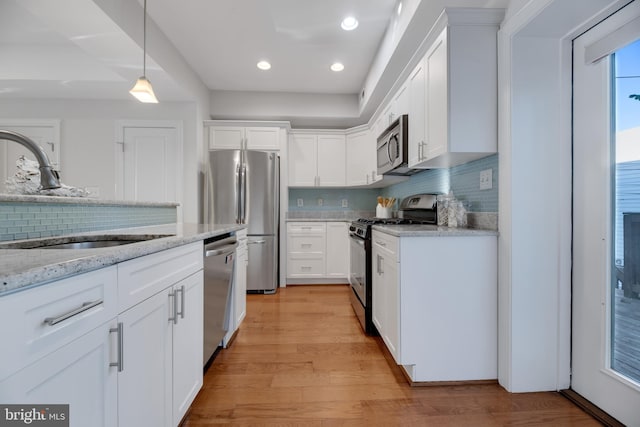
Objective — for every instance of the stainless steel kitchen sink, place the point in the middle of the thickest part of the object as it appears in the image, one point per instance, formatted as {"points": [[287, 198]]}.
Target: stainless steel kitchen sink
{"points": [[82, 242]]}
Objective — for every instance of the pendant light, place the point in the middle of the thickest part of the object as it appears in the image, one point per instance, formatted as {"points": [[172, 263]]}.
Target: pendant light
{"points": [[142, 89]]}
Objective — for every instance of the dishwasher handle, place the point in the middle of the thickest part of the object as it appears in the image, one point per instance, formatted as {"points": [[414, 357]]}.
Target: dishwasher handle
{"points": [[221, 247]]}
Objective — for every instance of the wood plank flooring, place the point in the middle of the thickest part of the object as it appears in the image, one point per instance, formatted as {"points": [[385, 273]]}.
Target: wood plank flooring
{"points": [[301, 359]]}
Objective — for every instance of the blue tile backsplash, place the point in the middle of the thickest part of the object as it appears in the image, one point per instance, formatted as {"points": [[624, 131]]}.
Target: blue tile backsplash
{"points": [[36, 220], [463, 180]]}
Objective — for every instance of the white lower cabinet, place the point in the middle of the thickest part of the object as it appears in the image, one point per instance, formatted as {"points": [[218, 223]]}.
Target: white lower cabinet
{"points": [[317, 252], [238, 308], [77, 374], [338, 249], [144, 384], [435, 304], [133, 360]]}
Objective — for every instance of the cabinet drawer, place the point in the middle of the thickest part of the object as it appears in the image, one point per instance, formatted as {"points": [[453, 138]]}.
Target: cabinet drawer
{"points": [[302, 265], [302, 243], [385, 242], [140, 278], [40, 320], [306, 227]]}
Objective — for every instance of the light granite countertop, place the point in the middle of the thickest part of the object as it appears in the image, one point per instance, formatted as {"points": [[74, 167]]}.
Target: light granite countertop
{"points": [[13, 198], [415, 230], [25, 268], [318, 220]]}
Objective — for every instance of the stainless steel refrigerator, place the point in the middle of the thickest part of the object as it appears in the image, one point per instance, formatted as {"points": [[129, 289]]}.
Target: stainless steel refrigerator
{"points": [[243, 188]]}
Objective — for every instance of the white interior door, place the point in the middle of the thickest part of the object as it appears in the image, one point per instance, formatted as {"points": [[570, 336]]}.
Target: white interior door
{"points": [[45, 133], [605, 320], [151, 163]]}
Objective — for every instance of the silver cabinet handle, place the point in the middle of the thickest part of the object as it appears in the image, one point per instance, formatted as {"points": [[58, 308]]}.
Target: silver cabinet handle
{"points": [[381, 243], [120, 331], [174, 318], [378, 264], [84, 307], [420, 150], [257, 242], [181, 312]]}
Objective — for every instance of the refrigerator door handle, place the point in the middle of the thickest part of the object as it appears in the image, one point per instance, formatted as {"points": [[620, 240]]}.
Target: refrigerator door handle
{"points": [[243, 194], [238, 190]]}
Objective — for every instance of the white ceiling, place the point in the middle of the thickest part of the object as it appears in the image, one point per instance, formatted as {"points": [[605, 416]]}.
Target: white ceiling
{"points": [[49, 52], [223, 41]]}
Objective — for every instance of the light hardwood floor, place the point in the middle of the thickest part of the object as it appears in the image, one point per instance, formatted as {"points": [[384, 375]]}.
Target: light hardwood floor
{"points": [[301, 359]]}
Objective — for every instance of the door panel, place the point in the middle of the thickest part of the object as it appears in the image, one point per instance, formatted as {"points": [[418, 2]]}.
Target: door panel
{"points": [[596, 297], [261, 274], [261, 208], [222, 192], [151, 164]]}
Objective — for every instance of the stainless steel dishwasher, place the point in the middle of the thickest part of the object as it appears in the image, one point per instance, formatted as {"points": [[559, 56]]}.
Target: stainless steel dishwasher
{"points": [[219, 258]]}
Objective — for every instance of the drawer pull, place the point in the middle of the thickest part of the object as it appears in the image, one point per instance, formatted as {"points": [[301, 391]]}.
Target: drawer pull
{"points": [[85, 306], [306, 245], [119, 330], [304, 267], [381, 243], [257, 242]]}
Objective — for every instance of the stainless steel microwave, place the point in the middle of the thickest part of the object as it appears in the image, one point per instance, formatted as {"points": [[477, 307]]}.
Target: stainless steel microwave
{"points": [[393, 148]]}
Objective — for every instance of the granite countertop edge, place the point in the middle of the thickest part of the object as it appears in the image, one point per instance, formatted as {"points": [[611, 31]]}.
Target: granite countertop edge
{"points": [[23, 269], [431, 231], [20, 198], [318, 220]]}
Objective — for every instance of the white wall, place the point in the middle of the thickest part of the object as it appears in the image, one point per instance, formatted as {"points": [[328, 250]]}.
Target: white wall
{"points": [[535, 189], [88, 136]]}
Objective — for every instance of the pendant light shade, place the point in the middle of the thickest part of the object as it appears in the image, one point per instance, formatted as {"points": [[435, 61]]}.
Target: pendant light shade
{"points": [[142, 90]]}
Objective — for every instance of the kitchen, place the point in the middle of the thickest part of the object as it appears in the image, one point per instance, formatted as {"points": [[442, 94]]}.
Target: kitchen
{"points": [[523, 290]]}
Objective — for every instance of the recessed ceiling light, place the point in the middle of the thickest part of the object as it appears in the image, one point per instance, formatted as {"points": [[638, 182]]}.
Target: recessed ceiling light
{"points": [[399, 8], [264, 65], [349, 23], [337, 67]]}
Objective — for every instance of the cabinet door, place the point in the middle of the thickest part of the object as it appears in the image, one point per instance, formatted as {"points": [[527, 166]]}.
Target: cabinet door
{"points": [[437, 116], [358, 149], [416, 115], [240, 303], [144, 385], [338, 249], [401, 102], [331, 161], [392, 305], [78, 374], [378, 291], [303, 160], [230, 137], [187, 344], [262, 138]]}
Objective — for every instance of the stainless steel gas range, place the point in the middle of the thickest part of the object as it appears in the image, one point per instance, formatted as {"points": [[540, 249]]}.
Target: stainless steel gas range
{"points": [[417, 209]]}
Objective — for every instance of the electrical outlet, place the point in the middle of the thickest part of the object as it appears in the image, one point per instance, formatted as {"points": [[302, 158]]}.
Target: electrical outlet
{"points": [[345, 203], [300, 203], [486, 179], [320, 202]]}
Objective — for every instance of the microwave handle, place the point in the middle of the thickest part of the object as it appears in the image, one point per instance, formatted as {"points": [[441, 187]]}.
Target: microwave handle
{"points": [[393, 139], [389, 151]]}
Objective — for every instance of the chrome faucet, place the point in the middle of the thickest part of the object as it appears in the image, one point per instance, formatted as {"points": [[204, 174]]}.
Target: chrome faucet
{"points": [[49, 178]]}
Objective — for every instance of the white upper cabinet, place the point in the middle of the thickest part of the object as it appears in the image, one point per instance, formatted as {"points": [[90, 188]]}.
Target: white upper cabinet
{"points": [[222, 136], [359, 160], [451, 93], [317, 160], [417, 116], [331, 161]]}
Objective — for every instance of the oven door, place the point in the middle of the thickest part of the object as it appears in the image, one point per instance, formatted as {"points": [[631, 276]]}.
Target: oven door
{"points": [[358, 264]]}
